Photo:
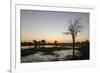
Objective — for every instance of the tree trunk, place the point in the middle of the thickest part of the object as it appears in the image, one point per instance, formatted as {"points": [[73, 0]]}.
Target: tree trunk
{"points": [[73, 46]]}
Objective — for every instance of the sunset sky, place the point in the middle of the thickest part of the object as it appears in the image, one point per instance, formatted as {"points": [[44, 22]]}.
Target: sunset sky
{"points": [[50, 25]]}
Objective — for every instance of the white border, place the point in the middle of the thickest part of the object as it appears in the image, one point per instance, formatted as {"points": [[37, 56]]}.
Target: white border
{"points": [[16, 66]]}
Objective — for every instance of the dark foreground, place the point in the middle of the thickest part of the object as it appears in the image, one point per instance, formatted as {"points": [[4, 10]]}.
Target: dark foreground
{"points": [[44, 54]]}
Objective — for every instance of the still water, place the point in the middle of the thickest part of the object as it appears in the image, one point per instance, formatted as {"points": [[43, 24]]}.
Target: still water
{"points": [[60, 55], [46, 46]]}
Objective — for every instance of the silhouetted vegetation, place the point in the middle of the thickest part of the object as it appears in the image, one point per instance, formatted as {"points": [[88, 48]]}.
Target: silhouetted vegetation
{"points": [[35, 43], [26, 43], [74, 28], [55, 43], [43, 42], [84, 49]]}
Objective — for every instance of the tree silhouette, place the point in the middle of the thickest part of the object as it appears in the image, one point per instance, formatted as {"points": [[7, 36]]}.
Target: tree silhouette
{"points": [[35, 43], [55, 43], [74, 28], [43, 42]]}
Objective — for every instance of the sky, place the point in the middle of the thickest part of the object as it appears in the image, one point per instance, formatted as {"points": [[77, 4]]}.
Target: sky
{"points": [[50, 25]]}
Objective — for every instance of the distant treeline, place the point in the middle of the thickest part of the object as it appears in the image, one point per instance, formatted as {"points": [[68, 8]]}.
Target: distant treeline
{"points": [[48, 43]]}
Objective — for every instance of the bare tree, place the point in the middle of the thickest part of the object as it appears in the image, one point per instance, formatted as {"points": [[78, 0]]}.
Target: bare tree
{"points": [[74, 28]]}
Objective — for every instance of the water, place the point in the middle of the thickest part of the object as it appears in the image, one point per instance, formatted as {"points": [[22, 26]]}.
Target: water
{"points": [[46, 46], [61, 55], [57, 55]]}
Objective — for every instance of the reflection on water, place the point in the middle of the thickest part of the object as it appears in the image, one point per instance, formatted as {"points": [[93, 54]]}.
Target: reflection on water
{"points": [[46, 46], [26, 47], [61, 55]]}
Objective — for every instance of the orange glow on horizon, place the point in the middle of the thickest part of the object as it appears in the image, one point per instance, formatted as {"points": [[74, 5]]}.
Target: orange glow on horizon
{"points": [[51, 38]]}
